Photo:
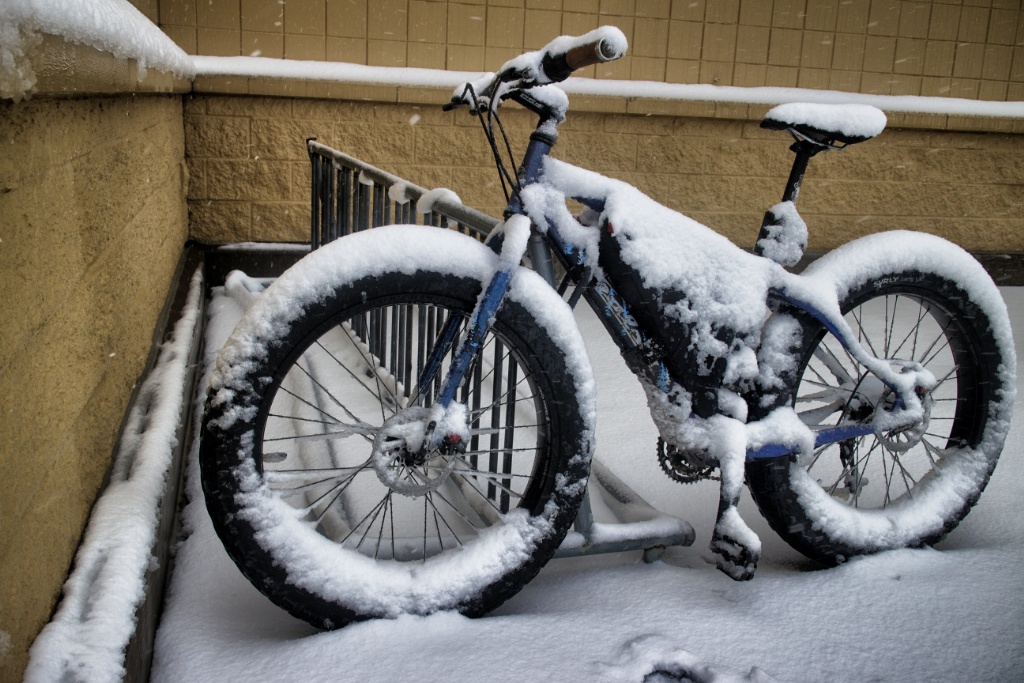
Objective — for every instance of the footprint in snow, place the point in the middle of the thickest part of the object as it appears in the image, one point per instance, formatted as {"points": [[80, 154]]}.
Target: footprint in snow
{"points": [[655, 659]]}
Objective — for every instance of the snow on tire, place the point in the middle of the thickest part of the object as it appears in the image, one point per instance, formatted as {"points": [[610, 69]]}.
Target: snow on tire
{"points": [[909, 298], [330, 353]]}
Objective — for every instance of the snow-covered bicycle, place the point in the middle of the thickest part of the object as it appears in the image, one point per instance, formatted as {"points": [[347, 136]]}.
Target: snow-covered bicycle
{"points": [[404, 421]]}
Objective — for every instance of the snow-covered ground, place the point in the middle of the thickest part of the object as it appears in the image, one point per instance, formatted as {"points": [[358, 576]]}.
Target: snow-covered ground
{"points": [[953, 613]]}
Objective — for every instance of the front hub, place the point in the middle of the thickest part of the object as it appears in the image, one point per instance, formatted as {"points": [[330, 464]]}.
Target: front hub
{"points": [[403, 458]]}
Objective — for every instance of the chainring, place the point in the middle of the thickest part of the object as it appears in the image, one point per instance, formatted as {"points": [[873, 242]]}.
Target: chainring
{"points": [[682, 466]]}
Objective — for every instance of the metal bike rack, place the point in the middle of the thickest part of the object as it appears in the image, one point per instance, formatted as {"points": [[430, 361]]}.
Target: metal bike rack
{"points": [[349, 195]]}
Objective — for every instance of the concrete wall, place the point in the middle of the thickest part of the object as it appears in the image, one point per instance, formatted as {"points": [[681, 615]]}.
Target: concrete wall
{"points": [[92, 223], [251, 174]]}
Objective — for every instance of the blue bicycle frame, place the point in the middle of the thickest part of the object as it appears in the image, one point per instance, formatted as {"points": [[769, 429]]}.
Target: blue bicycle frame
{"points": [[611, 309]]}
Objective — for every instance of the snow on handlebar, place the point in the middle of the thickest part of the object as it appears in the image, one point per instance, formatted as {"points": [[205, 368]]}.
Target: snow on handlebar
{"points": [[553, 63]]}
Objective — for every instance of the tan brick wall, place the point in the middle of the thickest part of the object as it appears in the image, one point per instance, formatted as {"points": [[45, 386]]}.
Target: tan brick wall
{"points": [[972, 49], [706, 159], [250, 171], [92, 223]]}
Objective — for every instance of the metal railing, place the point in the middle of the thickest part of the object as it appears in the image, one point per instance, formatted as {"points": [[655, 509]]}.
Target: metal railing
{"points": [[349, 195]]}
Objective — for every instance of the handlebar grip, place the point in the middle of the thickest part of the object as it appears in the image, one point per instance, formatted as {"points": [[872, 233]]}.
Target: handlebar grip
{"points": [[559, 66], [587, 55]]}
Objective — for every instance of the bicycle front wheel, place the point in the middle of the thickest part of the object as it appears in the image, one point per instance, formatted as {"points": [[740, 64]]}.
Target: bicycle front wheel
{"points": [[907, 487], [301, 485]]}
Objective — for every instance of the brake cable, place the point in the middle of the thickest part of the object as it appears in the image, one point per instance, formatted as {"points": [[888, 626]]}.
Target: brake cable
{"points": [[507, 181]]}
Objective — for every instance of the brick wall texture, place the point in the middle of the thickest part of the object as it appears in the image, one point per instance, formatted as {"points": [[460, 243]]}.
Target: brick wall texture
{"points": [[92, 223], [250, 172], [959, 48], [705, 159]]}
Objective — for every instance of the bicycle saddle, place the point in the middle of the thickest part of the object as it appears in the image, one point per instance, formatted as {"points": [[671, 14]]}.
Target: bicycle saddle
{"points": [[827, 124]]}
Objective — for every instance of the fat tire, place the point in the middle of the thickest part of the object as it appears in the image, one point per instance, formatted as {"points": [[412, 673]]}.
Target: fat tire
{"points": [[250, 373], [984, 397]]}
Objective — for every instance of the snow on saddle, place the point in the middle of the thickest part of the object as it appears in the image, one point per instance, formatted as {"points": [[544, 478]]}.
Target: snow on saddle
{"points": [[827, 124]]}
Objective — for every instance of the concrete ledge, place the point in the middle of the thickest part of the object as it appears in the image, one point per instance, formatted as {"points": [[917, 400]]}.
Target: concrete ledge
{"points": [[606, 104], [69, 69]]}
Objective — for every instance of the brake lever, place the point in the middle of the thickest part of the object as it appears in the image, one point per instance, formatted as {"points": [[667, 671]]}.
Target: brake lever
{"points": [[474, 100]]}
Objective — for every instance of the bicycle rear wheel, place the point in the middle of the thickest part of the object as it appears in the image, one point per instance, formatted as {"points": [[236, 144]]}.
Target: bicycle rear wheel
{"points": [[320, 508], [901, 488]]}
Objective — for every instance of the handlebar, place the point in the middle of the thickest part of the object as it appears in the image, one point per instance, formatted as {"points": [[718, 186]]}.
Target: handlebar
{"points": [[554, 63]]}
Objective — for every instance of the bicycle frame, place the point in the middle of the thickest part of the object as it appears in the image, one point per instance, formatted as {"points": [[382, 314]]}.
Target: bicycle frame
{"points": [[612, 310]]}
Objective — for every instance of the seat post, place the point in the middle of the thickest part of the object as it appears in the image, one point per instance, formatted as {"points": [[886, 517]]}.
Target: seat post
{"points": [[804, 150], [780, 238]]}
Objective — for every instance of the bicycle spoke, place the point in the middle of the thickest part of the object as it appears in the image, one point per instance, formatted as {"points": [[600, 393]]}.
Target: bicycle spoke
{"points": [[860, 467], [327, 391], [353, 375], [437, 513], [480, 493], [913, 332], [340, 490], [425, 529], [380, 536], [500, 400], [333, 419], [457, 511], [907, 477], [275, 477], [496, 476], [943, 336], [371, 515], [890, 323], [827, 357], [326, 436], [373, 370], [862, 335]]}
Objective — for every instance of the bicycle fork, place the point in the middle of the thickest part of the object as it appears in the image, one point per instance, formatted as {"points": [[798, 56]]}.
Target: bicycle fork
{"points": [[515, 237], [516, 234]]}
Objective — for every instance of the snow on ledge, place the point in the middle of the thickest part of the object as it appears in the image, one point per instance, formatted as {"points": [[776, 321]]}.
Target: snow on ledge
{"points": [[87, 638], [337, 72], [117, 27], [113, 26]]}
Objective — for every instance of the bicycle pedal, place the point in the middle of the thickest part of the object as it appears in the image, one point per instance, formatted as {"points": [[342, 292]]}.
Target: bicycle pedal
{"points": [[735, 560]]}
